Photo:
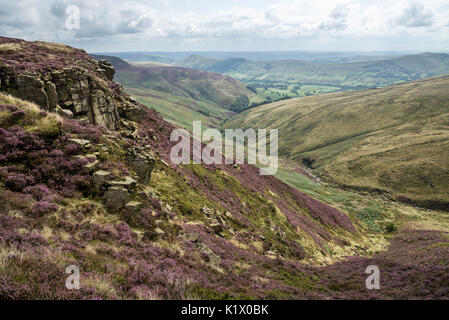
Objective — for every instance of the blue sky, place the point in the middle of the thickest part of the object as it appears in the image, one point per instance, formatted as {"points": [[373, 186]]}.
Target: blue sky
{"points": [[208, 25]]}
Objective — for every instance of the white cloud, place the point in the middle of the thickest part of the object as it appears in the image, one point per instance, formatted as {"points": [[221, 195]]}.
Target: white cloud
{"points": [[283, 20]]}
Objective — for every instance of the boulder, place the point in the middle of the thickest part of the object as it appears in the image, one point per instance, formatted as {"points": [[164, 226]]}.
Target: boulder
{"points": [[191, 237], [100, 177], [115, 199], [142, 162], [216, 227], [30, 87], [128, 183], [74, 88], [107, 68], [79, 142], [134, 114], [52, 95], [134, 207], [209, 255], [92, 166], [66, 113], [208, 212]]}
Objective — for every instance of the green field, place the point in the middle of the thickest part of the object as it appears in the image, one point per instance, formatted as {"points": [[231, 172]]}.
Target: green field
{"points": [[372, 212], [347, 76], [278, 90]]}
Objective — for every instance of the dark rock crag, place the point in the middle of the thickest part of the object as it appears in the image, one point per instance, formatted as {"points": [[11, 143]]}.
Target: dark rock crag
{"points": [[82, 88]]}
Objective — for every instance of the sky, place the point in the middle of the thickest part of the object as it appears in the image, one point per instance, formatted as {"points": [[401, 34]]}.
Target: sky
{"points": [[231, 25]]}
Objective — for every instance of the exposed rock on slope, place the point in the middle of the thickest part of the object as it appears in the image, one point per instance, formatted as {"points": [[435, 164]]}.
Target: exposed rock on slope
{"points": [[59, 78]]}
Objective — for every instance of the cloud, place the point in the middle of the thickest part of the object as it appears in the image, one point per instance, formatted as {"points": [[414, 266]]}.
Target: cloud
{"points": [[291, 21], [113, 23], [416, 15], [337, 19]]}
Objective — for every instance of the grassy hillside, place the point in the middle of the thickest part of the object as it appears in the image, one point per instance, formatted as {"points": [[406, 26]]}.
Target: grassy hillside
{"points": [[393, 140], [220, 232], [110, 202], [181, 110], [372, 73], [210, 226], [180, 94]]}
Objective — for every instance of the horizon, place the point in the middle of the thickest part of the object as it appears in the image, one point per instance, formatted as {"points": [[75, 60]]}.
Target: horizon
{"points": [[265, 51]]}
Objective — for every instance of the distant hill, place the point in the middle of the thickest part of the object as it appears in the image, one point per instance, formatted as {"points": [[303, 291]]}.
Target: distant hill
{"points": [[316, 56], [184, 93], [393, 140], [364, 74], [139, 57]]}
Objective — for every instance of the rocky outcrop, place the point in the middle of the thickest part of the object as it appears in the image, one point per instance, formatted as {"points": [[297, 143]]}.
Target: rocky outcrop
{"points": [[115, 198], [68, 89], [134, 207], [142, 162], [100, 177], [215, 218], [106, 68], [67, 81]]}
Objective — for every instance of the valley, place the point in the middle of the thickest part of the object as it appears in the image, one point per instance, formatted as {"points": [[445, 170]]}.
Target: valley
{"points": [[391, 140], [86, 179], [180, 94], [303, 78]]}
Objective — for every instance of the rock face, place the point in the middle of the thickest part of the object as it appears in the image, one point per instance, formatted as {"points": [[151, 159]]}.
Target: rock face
{"points": [[142, 162], [106, 67], [68, 89], [115, 198], [66, 80], [28, 87], [128, 183], [100, 177], [134, 207]]}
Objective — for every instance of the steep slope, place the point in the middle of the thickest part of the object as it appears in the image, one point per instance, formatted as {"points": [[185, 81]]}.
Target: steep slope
{"points": [[349, 75], [192, 94], [196, 232], [109, 201], [393, 140]]}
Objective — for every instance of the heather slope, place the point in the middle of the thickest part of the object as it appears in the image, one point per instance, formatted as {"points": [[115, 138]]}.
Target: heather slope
{"points": [[202, 225], [391, 140], [109, 201], [269, 243]]}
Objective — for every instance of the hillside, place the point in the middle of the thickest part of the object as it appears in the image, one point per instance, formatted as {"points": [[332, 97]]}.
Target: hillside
{"points": [[363, 74], [106, 198], [110, 202], [186, 94], [393, 140]]}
